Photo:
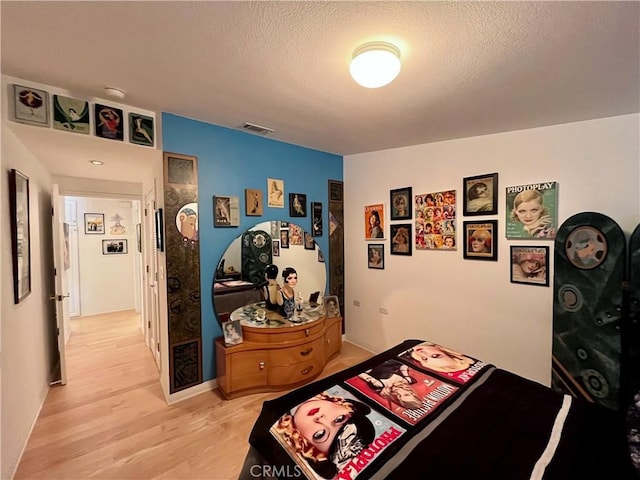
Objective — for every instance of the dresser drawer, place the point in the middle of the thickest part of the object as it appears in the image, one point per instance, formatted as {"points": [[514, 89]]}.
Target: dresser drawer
{"points": [[249, 369], [282, 335], [300, 353], [286, 375]]}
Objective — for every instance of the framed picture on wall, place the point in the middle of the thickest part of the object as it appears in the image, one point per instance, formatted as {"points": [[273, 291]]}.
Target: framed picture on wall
{"points": [[284, 238], [141, 129], [480, 195], [31, 106], [297, 205], [316, 219], [108, 122], [94, 223], [529, 265], [115, 246], [532, 211], [275, 193], [400, 202], [71, 115], [275, 248], [20, 234], [253, 202], [375, 255], [480, 240], [401, 236], [226, 211]]}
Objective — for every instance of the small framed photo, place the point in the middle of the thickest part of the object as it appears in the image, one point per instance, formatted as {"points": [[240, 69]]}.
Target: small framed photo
{"points": [[331, 306], [401, 236], [141, 130], [275, 193], [529, 265], [297, 205], [31, 106], [232, 331], [71, 115], [400, 202], [253, 202], [296, 234], [226, 211], [375, 255], [320, 256], [94, 223], [480, 195], [275, 248], [316, 219], [114, 247], [309, 242], [108, 122], [480, 240], [284, 238], [139, 236]]}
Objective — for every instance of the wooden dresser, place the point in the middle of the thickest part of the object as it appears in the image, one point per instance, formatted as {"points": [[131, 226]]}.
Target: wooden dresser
{"points": [[281, 358]]}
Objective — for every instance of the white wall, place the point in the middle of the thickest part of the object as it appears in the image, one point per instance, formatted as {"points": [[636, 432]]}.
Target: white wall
{"points": [[28, 338], [471, 305], [106, 281]]}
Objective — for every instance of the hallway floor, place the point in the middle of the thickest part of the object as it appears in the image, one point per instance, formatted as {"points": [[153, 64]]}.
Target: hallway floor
{"points": [[111, 420]]}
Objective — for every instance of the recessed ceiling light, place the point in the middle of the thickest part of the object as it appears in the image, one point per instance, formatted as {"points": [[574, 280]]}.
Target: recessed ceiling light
{"points": [[96, 162], [114, 92]]}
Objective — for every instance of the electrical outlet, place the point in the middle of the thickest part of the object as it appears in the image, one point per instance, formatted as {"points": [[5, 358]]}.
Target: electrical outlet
{"points": [[383, 310], [356, 303]]}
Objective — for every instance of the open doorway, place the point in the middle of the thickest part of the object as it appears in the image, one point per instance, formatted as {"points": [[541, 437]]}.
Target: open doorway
{"points": [[105, 260]]}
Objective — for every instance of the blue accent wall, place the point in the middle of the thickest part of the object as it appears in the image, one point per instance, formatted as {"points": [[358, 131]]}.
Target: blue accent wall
{"points": [[228, 162]]}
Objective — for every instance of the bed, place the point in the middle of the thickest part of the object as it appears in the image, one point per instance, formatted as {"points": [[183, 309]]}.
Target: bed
{"points": [[423, 411]]}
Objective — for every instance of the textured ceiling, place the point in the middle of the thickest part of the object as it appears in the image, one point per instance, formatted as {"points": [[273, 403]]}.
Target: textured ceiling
{"points": [[469, 68]]}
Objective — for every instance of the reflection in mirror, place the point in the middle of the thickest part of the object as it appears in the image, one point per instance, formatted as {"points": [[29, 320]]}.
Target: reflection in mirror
{"points": [[241, 271]]}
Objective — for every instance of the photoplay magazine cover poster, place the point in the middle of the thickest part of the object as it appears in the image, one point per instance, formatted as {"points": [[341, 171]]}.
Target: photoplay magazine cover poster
{"points": [[333, 435], [532, 211], [404, 391], [443, 361]]}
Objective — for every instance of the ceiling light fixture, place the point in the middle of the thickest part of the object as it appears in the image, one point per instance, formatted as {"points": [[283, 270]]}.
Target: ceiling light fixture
{"points": [[114, 92], [375, 64], [96, 162]]}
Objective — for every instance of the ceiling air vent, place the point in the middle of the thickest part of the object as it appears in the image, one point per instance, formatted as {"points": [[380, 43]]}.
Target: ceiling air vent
{"points": [[252, 127]]}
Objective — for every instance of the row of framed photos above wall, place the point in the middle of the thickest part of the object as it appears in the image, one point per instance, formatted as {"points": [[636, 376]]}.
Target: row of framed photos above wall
{"points": [[36, 107], [531, 214], [226, 208]]}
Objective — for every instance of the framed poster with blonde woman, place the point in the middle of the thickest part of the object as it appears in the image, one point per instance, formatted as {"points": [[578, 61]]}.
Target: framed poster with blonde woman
{"points": [[400, 203], [532, 211], [480, 240]]}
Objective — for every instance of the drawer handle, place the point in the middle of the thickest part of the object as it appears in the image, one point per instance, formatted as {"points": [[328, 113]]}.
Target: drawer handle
{"points": [[306, 370], [306, 332], [306, 352], [261, 365]]}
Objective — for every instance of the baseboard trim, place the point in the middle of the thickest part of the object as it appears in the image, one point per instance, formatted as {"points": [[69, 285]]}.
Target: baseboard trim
{"points": [[192, 392]]}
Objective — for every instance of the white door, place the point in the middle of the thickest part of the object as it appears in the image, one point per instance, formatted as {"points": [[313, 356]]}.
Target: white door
{"points": [[61, 295], [151, 275]]}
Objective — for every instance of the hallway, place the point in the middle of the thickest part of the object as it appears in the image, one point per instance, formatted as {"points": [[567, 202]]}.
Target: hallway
{"points": [[111, 420]]}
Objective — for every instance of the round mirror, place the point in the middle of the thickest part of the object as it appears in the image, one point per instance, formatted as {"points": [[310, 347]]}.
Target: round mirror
{"points": [[240, 272]]}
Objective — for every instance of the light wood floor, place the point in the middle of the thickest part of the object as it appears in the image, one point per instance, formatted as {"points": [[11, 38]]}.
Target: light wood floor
{"points": [[111, 420]]}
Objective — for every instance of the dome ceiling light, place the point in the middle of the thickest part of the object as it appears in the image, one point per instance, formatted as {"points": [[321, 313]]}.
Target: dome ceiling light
{"points": [[375, 64]]}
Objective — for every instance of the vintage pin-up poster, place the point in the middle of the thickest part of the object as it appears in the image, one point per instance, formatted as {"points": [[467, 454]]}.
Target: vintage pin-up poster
{"points": [[532, 211], [374, 222]]}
